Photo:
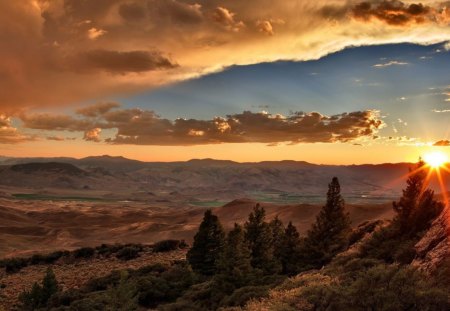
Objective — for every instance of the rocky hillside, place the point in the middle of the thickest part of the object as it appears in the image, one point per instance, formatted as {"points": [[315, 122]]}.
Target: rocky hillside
{"points": [[433, 250]]}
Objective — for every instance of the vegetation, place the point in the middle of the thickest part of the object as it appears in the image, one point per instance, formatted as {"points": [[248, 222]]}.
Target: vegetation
{"points": [[120, 251], [40, 295], [249, 267], [169, 245], [207, 246], [330, 233]]}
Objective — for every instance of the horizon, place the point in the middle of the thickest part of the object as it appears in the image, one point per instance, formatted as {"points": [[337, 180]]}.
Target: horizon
{"points": [[214, 159]]}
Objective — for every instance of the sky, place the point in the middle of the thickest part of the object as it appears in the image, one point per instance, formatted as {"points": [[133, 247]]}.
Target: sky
{"points": [[331, 82]]}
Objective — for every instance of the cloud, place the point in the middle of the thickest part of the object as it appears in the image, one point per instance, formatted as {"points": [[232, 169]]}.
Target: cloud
{"points": [[441, 111], [390, 63], [95, 33], [55, 138], [226, 18], [122, 62], [9, 134], [392, 12], [93, 135], [98, 109], [442, 143], [265, 27], [57, 53], [145, 127], [46, 121]]}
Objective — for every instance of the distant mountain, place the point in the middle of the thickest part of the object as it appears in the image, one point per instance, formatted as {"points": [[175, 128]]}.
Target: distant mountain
{"points": [[208, 180], [48, 167]]}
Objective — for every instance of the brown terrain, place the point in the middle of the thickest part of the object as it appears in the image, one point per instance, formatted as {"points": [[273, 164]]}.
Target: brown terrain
{"points": [[73, 275], [28, 226]]}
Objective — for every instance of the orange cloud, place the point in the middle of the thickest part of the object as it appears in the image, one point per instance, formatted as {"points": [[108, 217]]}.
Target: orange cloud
{"points": [[63, 52], [442, 143], [9, 134], [145, 127], [392, 12]]}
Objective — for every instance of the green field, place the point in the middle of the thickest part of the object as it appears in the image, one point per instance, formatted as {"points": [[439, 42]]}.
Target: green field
{"points": [[45, 197]]}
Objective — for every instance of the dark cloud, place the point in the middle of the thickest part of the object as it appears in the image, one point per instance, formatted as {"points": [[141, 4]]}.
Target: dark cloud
{"points": [[392, 12], [145, 127], [53, 122], [442, 143], [55, 138], [97, 109], [119, 62]]}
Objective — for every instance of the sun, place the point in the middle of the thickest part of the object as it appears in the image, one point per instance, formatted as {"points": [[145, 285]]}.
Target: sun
{"points": [[435, 159]]}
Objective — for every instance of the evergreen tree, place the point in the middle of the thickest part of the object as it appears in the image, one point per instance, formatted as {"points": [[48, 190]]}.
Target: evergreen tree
{"points": [[49, 286], [31, 300], [278, 231], [259, 236], [289, 251], [207, 246], [39, 296], [234, 266], [123, 296], [329, 234], [417, 207]]}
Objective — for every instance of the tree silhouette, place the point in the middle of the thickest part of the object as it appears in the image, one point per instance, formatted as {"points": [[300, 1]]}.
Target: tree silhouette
{"points": [[39, 295], [260, 239], [417, 207], [329, 234], [207, 246], [278, 232], [234, 267], [290, 250]]}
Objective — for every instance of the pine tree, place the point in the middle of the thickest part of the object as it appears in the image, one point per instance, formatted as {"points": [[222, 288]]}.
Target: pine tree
{"points": [[329, 234], [234, 266], [39, 295], [259, 236], [417, 207], [31, 300], [207, 246], [123, 296], [278, 231], [49, 286], [289, 251]]}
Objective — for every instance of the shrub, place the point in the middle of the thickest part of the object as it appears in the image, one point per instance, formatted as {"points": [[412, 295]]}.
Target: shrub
{"points": [[13, 265], [128, 253], [84, 252], [242, 295], [102, 283], [107, 249], [168, 245]]}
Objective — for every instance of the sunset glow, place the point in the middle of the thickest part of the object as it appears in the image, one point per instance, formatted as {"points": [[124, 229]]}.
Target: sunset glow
{"points": [[435, 159]]}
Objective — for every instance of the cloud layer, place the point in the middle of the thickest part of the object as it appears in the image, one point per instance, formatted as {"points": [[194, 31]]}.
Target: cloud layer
{"points": [[63, 51], [145, 127]]}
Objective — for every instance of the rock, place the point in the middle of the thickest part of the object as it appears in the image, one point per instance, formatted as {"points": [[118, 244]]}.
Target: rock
{"points": [[434, 247]]}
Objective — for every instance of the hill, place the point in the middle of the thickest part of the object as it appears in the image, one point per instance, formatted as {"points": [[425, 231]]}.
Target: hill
{"points": [[29, 225], [204, 182]]}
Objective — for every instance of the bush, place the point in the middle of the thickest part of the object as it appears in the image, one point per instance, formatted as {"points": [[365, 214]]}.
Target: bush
{"points": [[13, 265], [87, 304], [100, 284], [168, 245], [242, 295], [84, 252], [107, 249], [128, 253]]}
